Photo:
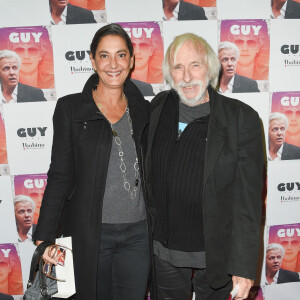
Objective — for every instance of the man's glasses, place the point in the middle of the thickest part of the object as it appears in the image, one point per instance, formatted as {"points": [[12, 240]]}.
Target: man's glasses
{"points": [[30, 51], [55, 250], [247, 43]]}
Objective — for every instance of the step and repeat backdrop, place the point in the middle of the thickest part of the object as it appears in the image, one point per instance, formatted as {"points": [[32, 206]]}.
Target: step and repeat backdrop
{"points": [[44, 55]]}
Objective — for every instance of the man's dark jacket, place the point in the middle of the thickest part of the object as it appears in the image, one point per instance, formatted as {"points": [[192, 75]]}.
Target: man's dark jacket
{"points": [[233, 180], [79, 15], [290, 152], [27, 93], [77, 176], [292, 10], [242, 84], [189, 11], [287, 276]]}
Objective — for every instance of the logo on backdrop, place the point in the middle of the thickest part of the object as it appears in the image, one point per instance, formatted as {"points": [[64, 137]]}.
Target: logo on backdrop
{"points": [[79, 61], [32, 138], [291, 55], [290, 191]]}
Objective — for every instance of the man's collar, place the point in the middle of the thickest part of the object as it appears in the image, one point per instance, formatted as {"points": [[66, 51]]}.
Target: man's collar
{"points": [[229, 87], [282, 12], [14, 95]]}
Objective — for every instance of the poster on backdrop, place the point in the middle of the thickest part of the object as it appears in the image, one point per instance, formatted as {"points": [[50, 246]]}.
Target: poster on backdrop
{"points": [[288, 103], [24, 13], [10, 270], [3, 151], [243, 9], [288, 236], [146, 38], [209, 7], [33, 47], [62, 12], [7, 212], [96, 6], [184, 10], [29, 133], [252, 40], [32, 186], [283, 203], [285, 9], [133, 10], [72, 65], [259, 102], [284, 56]]}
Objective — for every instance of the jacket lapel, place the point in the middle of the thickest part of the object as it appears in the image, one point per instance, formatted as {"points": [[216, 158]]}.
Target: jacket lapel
{"points": [[217, 133]]}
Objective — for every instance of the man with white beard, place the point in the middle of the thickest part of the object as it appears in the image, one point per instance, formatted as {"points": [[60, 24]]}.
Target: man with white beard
{"points": [[204, 169]]}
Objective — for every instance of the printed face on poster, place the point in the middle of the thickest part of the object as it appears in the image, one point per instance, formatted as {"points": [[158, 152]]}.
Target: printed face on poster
{"points": [[10, 270], [33, 46], [288, 236], [284, 56], [147, 44], [32, 186], [283, 203], [72, 65], [288, 103], [29, 135], [7, 215], [252, 39]]}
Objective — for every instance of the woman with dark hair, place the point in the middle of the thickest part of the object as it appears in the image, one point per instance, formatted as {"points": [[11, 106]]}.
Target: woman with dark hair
{"points": [[95, 191]]}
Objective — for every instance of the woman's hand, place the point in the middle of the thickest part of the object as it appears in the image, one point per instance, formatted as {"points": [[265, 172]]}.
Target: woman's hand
{"points": [[49, 257]]}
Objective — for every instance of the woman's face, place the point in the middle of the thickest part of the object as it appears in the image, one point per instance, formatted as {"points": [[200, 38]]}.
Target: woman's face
{"points": [[112, 61]]}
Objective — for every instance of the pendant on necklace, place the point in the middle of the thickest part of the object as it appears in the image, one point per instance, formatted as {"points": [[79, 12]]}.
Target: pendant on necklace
{"points": [[114, 133]]}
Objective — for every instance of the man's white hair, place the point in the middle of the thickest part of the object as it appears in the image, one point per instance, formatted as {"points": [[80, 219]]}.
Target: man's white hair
{"points": [[229, 45], [279, 116], [275, 246], [24, 198], [8, 54]]}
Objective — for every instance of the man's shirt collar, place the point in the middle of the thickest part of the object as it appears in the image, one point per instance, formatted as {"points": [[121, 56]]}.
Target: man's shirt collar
{"points": [[275, 279], [29, 237], [279, 154], [229, 87], [14, 95], [63, 17]]}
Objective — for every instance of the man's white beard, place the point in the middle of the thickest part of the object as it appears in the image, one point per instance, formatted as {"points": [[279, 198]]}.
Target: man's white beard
{"points": [[195, 100]]}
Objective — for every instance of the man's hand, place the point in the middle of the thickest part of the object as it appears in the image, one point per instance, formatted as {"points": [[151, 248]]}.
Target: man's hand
{"points": [[244, 286]]}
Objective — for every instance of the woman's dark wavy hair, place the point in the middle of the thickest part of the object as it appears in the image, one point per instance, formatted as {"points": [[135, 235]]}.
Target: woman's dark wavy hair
{"points": [[110, 29]]}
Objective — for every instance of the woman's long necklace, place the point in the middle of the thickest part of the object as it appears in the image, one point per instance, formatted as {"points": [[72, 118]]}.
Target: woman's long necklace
{"points": [[131, 190]]}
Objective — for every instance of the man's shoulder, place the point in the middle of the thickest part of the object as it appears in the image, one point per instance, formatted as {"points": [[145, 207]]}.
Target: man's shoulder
{"points": [[28, 93], [289, 274], [244, 84], [189, 11], [292, 10], [159, 98], [79, 14]]}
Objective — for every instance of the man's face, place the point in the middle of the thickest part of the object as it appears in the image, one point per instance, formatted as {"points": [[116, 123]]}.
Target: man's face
{"points": [[142, 51], [30, 55], [273, 260], [228, 61], [24, 215], [293, 115], [59, 3], [189, 73], [9, 72], [248, 46], [277, 131], [291, 247]]}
